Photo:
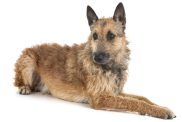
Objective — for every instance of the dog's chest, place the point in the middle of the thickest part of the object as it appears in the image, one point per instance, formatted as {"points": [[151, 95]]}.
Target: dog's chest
{"points": [[114, 71], [108, 81]]}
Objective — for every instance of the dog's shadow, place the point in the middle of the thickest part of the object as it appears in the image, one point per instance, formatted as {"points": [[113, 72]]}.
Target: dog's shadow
{"points": [[39, 97]]}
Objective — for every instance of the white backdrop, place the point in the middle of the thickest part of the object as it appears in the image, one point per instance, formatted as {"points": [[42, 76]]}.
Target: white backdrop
{"points": [[154, 30]]}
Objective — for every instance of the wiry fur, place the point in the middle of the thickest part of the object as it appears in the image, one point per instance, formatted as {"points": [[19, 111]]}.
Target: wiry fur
{"points": [[70, 73]]}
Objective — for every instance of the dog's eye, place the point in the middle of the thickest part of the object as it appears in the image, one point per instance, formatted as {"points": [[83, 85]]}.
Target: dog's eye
{"points": [[110, 36], [95, 36]]}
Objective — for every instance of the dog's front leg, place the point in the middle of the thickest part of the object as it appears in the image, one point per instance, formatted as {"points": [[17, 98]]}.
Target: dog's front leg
{"points": [[137, 97], [121, 103]]}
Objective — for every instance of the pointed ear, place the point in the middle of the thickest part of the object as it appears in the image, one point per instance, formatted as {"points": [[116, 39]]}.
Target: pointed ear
{"points": [[91, 16], [119, 14]]}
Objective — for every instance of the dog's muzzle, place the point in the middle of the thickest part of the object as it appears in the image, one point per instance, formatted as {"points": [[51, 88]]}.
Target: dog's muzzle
{"points": [[101, 57]]}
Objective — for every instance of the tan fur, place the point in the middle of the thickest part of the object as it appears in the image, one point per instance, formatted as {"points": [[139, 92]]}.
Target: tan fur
{"points": [[70, 73]]}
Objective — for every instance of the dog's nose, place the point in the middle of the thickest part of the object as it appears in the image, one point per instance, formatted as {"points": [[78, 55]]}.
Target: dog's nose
{"points": [[101, 57]]}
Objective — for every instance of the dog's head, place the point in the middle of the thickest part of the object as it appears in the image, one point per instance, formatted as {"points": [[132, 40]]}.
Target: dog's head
{"points": [[106, 38]]}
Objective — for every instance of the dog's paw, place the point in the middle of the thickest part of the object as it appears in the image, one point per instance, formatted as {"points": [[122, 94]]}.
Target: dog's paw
{"points": [[169, 114], [165, 113], [160, 112], [24, 90]]}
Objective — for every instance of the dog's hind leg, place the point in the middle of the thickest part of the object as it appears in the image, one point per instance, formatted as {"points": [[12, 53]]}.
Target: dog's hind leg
{"points": [[24, 70]]}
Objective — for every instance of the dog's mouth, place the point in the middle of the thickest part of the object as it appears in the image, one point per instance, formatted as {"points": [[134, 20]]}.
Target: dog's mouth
{"points": [[102, 62], [101, 58]]}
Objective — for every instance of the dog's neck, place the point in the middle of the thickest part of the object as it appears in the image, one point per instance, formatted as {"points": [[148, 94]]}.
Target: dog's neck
{"points": [[115, 68]]}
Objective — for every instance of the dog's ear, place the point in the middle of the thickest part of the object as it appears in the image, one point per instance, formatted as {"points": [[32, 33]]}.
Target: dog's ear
{"points": [[119, 14], [91, 16]]}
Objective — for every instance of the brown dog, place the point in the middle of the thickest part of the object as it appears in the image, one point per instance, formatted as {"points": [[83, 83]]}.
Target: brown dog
{"points": [[94, 72]]}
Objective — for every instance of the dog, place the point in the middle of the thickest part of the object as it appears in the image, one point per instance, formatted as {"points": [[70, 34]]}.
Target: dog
{"points": [[93, 72]]}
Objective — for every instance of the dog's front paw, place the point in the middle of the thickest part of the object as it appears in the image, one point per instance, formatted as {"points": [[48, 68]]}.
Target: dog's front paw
{"points": [[164, 113], [169, 114], [159, 112]]}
